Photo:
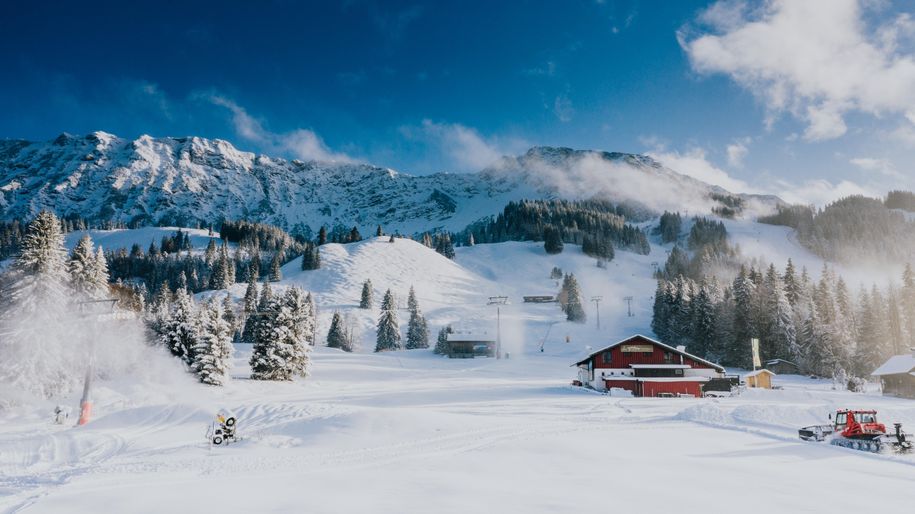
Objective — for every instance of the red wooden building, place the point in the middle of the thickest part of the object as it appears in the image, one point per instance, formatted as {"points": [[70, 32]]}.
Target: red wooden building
{"points": [[646, 367]]}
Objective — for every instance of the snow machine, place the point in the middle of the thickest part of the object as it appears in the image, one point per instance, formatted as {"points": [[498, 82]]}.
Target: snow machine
{"points": [[222, 431], [859, 430]]}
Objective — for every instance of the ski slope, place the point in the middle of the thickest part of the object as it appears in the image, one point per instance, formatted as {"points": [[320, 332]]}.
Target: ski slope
{"points": [[410, 431]]}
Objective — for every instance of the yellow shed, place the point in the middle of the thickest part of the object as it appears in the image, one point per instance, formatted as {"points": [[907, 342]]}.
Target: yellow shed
{"points": [[760, 378]]}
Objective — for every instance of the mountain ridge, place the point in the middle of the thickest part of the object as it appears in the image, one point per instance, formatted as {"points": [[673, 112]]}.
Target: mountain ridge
{"points": [[187, 180]]}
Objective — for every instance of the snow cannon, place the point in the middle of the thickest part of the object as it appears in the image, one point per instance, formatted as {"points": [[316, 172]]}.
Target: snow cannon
{"points": [[859, 430], [222, 431]]}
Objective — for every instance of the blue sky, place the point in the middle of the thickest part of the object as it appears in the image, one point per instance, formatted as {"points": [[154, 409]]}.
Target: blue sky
{"points": [[811, 100]]}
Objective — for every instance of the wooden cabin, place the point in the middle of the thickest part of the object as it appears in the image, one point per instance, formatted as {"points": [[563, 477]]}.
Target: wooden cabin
{"points": [[761, 378], [897, 375], [467, 345]]}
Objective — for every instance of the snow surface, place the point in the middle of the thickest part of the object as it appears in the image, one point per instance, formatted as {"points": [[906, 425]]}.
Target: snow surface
{"points": [[410, 431]]}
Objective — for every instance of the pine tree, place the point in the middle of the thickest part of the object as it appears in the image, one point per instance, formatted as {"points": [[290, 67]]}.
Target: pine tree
{"points": [[552, 240], [379, 232], [388, 329], [470, 240], [209, 255], [367, 294], [354, 235], [336, 336], [159, 310], [311, 313], [737, 353], [322, 235], [212, 349], [281, 347], [251, 294], [42, 261], [417, 329], [444, 246], [275, 273], [228, 313], [703, 323], [907, 295], [441, 343], [179, 333], [88, 270], [574, 309]]}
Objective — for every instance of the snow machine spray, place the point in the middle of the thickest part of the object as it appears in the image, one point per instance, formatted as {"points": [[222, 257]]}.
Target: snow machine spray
{"points": [[222, 431]]}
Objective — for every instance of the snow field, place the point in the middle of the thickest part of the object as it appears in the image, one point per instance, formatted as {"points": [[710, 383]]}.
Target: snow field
{"points": [[410, 431]]}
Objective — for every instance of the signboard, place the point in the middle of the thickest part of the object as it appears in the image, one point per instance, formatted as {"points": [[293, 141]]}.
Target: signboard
{"points": [[754, 343], [637, 348]]}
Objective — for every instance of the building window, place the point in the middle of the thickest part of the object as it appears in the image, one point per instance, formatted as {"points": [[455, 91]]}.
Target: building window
{"points": [[668, 357], [607, 357]]}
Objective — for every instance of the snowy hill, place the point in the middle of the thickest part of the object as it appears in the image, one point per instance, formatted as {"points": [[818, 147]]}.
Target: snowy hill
{"points": [[182, 181]]}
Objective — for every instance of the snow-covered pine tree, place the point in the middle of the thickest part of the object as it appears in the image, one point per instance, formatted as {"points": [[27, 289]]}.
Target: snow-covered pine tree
{"points": [[703, 322], [417, 329], [470, 240], [281, 351], [379, 232], [209, 255], [792, 283], [212, 345], [179, 332], [251, 296], [336, 337], [441, 343], [907, 295], [275, 273], [35, 298], [158, 310], [388, 329], [574, 309], [80, 265], [228, 313], [738, 353], [367, 295], [311, 313]]}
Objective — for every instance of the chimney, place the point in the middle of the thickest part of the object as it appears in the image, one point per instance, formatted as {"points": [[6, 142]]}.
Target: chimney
{"points": [[681, 348]]}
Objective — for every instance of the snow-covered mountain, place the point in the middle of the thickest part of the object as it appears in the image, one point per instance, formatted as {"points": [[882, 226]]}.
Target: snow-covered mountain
{"points": [[182, 181]]}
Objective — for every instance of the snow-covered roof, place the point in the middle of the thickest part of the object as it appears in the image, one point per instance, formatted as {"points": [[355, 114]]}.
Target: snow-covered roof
{"points": [[471, 337], [896, 364], [759, 372], [654, 379], [659, 366], [653, 341]]}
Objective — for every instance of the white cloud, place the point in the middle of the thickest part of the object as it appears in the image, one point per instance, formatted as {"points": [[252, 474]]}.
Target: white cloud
{"points": [[300, 143], [562, 108], [464, 147], [815, 59], [695, 164], [819, 192], [737, 151], [881, 166]]}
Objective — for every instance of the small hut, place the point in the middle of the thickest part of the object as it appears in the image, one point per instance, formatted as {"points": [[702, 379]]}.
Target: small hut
{"points": [[783, 367], [897, 375], [467, 345], [761, 378]]}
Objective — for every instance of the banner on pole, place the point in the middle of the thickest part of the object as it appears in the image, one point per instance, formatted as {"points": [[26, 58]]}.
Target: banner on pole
{"points": [[757, 363]]}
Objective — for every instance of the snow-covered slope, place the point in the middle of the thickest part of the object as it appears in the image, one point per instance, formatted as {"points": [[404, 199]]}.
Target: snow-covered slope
{"points": [[410, 431], [182, 181]]}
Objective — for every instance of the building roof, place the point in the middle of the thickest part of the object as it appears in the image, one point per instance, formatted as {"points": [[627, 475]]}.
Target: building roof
{"points": [[652, 341], [779, 361], [653, 379], [659, 366], [758, 372], [470, 338], [896, 365]]}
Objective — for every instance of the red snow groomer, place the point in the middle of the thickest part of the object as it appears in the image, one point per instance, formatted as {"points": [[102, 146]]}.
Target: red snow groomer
{"points": [[858, 430]]}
